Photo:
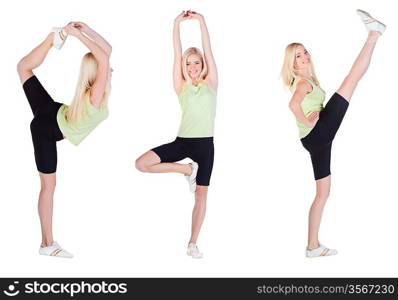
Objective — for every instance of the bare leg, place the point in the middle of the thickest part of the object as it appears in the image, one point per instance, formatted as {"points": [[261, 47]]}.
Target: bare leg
{"points": [[315, 215], [359, 67], [46, 199], [199, 211], [150, 162], [34, 59]]}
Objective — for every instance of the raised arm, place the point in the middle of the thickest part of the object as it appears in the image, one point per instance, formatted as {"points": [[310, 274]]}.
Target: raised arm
{"points": [[101, 79], [178, 78], [303, 88], [95, 36], [212, 75]]}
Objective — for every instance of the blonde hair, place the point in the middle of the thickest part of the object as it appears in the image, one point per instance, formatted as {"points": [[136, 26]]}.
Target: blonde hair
{"points": [[185, 56], [88, 73], [288, 73]]}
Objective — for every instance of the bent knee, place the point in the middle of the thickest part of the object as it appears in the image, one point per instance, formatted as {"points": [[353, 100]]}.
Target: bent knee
{"points": [[23, 72], [140, 165], [21, 66]]}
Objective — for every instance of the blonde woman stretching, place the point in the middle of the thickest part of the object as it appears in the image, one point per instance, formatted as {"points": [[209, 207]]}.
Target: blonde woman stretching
{"points": [[317, 124], [195, 83], [54, 121]]}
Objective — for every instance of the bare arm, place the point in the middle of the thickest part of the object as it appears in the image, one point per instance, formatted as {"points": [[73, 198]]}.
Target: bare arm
{"points": [[303, 88], [178, 78], [98, 88], [95, 36], [212, 75]]}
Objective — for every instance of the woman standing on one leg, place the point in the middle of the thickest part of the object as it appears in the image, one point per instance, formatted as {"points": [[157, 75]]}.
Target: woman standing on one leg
{"points": [[318, 125], [195, 82], [55, 121]]}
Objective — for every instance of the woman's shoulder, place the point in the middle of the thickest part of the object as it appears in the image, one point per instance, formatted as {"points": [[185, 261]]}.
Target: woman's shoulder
{"points": [[302, 83], [302, 80]]}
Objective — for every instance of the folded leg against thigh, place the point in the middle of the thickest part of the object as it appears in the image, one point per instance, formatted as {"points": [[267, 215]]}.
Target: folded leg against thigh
{"points": [[163, 159]]}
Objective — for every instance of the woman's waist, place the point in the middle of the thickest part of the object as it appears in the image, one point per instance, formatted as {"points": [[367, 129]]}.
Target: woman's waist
{"points": [[195, 139]]}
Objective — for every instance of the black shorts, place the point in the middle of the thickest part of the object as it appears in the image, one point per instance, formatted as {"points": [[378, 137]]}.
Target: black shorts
{"points": [[319, 141], [44, 126], [200, 150]]}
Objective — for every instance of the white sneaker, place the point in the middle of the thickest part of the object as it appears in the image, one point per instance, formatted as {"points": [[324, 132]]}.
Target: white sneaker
{"points": [[193, 251], [55, 250], [192, 178], [371, 23], [320, 251], [59, 37]]}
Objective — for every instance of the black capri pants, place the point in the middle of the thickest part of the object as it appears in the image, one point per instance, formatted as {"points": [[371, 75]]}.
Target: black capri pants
{"points": [[44, 126], [319, 141], [200, 150]]}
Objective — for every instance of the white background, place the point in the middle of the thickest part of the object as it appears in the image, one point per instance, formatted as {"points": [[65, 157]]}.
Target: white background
{"points": [[120, 222]]}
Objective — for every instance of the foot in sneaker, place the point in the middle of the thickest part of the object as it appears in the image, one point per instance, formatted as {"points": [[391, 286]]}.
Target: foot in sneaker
{"points": [[320, 251], [59, 37], [193, 251], [54, 250], [371, 23], [192, 178]]}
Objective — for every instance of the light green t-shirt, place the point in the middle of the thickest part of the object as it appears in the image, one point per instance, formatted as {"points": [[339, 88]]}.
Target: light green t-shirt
{"points": [[312, 102], [198, 105], [77, 132]]}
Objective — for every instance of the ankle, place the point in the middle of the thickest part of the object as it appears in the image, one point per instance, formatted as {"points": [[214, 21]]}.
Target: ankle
{"points": [[46, 243], [312, 246], [189, 170], [50, 38], [373, 36]]}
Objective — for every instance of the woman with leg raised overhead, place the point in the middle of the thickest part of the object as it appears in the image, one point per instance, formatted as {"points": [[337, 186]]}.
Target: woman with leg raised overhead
{"points": [[53, 121], [317, 124]]}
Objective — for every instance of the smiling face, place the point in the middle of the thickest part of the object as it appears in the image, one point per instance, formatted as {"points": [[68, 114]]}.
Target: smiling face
{"points": [[302, 58], [194, 65]]}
